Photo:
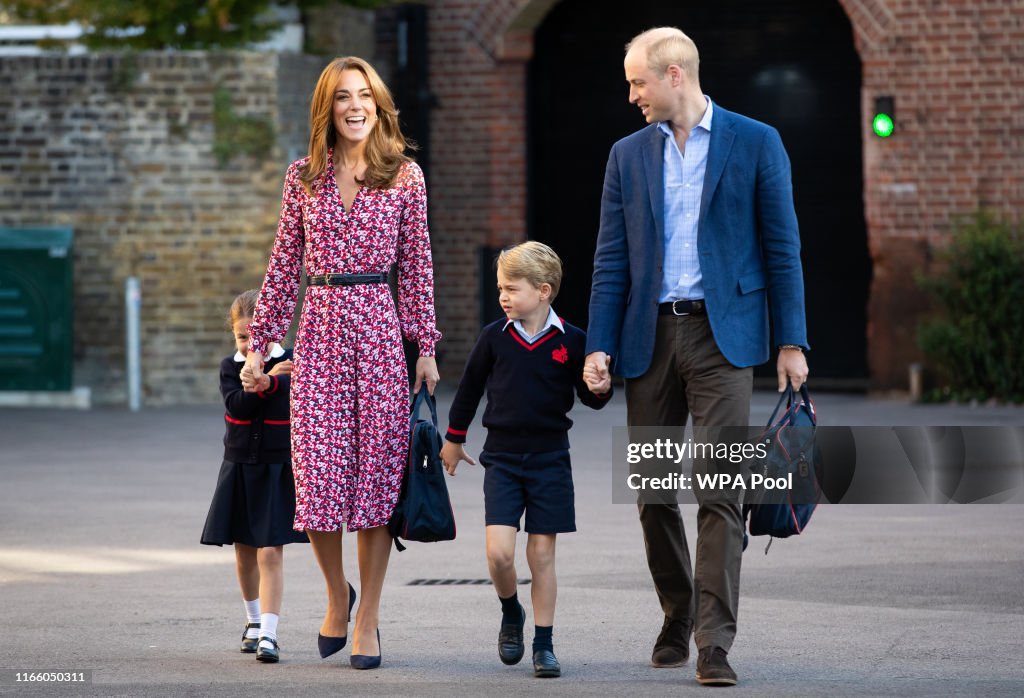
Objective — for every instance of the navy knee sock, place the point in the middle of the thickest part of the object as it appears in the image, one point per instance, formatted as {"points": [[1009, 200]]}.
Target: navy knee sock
{"points": [[542, 638], [511, 611]]}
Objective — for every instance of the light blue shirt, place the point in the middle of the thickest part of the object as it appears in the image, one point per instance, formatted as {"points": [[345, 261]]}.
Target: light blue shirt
{"points": [[684, 184], [552, 321]]}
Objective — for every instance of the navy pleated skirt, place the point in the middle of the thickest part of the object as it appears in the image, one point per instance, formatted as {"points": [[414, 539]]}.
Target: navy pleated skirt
{"points": [[254, 504]]}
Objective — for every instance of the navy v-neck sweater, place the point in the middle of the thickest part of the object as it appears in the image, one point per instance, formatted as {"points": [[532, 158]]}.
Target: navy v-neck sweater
{"points": [[529, 388]]}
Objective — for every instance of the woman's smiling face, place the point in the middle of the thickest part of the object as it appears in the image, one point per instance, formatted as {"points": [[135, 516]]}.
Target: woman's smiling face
{"points": [[355, 112]]}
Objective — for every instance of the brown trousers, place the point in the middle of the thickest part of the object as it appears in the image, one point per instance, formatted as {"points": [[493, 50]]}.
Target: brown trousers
{"points": [[690, 376]]}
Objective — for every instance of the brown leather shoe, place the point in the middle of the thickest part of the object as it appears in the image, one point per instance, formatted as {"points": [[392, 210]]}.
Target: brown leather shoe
{"points": [[672, 648], [713, 668]]}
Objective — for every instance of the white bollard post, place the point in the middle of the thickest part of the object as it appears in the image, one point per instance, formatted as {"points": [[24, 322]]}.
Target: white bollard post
{"points": [[133, 368]]}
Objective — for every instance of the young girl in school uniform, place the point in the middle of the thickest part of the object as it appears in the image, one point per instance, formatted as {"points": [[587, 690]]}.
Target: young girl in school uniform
{"points": [[253, 505]]}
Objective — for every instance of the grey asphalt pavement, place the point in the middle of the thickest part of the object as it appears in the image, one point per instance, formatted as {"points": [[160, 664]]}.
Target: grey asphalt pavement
{"points": [[101, 571]]}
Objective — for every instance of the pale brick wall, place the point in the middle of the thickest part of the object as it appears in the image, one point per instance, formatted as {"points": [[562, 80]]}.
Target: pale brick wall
{"points": [[120, 148]]}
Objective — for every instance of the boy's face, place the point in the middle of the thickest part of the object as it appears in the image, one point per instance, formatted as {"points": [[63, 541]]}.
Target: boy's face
{"points": [[519, 298], [241, 332]]}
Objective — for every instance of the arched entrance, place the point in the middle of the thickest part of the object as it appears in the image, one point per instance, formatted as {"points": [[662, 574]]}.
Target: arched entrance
{"points": [[789, 63]]}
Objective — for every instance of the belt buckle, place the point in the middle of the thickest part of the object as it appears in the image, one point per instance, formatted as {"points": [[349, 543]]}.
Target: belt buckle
{"points": [[330, 283], [674, 311]]}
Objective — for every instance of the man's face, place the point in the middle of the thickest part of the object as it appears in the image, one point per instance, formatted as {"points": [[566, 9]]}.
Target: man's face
{"points": [[651, 93]]}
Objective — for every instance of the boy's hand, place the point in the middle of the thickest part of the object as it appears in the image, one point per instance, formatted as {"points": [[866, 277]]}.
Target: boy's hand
{"points": [[592, 377], [282, 369], [451, 454]]}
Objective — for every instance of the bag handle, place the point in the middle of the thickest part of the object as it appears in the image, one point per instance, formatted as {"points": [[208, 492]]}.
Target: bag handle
{"points": [[423, 396], [789, 399], [785, 399]]}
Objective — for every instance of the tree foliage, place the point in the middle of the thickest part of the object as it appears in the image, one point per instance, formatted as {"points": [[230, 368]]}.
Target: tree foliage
{"points": [[164, 24], [977, 340]]}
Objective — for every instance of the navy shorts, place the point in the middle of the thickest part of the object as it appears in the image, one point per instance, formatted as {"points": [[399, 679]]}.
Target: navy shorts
{"points": [[538, 483]]}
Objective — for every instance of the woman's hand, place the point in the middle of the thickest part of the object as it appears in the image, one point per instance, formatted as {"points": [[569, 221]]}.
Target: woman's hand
{"points": [[426, 370], [253, 371]]}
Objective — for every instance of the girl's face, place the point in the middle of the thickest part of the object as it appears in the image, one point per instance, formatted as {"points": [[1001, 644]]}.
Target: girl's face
{"points": [[354, 113], [241, 332]]}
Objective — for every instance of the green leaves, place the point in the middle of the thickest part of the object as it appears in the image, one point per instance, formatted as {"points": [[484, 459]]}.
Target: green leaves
{"points": [[977, 340]]}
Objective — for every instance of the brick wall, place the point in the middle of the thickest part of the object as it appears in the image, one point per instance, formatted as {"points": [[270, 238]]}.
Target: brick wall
{"points": [[478, 153], [120, 148], [955, 67]]}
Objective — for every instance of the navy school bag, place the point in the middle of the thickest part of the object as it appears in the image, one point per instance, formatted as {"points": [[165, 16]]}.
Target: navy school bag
{"points": [[424, 510], [791, 449]]}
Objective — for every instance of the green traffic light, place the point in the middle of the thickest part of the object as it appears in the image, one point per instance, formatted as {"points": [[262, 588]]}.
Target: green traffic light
{"points": [[882, 125]]}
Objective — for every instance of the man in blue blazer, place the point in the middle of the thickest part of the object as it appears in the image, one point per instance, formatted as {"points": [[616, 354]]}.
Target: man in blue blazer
{"points": [[698, 246]]}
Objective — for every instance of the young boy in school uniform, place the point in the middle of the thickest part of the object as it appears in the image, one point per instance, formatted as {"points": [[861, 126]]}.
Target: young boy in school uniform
{"points": [[529, 364]]}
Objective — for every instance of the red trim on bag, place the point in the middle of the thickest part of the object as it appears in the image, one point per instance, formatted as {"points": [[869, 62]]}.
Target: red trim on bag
{"points": [[237, 421], [277, 421]]}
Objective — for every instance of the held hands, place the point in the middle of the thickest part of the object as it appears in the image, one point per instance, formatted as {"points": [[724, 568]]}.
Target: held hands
{"points": [[252, 373], [426, 370], [596, 374], [451, 454], [791, 367]]}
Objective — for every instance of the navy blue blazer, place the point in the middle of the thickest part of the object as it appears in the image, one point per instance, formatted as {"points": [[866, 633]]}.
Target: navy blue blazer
{"points": [[747, 240]]}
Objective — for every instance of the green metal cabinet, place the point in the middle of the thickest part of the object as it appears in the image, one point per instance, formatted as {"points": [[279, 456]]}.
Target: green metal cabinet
{"points": [[35, 308]]}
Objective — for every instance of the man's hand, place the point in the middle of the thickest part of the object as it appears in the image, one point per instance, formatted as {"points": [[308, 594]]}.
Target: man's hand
{"points": [[451, 454], [791, 367], [596, 364], [426, 370]]}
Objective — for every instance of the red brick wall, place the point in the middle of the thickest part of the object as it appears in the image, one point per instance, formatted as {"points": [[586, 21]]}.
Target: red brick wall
{"points": [[478, 141], [955, 67]]}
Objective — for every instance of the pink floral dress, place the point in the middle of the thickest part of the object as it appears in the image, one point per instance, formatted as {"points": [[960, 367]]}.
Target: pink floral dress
{"points": [[349, 388]]}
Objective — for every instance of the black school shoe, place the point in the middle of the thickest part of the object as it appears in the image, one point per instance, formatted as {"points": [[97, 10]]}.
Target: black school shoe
{"points": [[270, 655], [249, 643], [713, 668], [510, 640], [545, 665]]}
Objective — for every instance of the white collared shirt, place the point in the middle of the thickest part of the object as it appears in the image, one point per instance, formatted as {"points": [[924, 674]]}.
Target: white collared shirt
{"points": [[684, 186], [552, 321]]}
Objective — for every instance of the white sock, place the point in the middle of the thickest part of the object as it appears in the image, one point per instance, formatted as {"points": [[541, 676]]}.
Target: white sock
{"points": [[268, 625], [252, 615]]}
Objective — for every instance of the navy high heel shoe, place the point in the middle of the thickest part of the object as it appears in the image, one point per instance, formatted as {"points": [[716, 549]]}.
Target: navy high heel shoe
{"points": [[366, 661], [331, 645]]}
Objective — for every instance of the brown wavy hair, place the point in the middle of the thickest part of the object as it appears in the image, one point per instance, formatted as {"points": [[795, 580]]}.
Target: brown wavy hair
{"points": [[243, 306], [385, 148]]}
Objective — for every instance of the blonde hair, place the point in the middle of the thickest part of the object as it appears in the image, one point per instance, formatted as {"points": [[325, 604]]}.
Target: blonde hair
{"points": [[385, 148], [668, 46], [533, 261], [243, 306]]}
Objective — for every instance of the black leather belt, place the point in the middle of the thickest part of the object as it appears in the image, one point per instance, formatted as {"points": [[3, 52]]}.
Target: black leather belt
{"points": [[682, 308], [346, 279]]}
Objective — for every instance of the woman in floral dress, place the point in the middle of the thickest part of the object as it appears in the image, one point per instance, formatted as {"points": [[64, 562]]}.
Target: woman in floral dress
{"points": [[355, 205]]}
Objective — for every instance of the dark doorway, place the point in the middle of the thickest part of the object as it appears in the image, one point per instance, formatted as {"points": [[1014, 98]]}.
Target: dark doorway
{"points": [[789, 63]]}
